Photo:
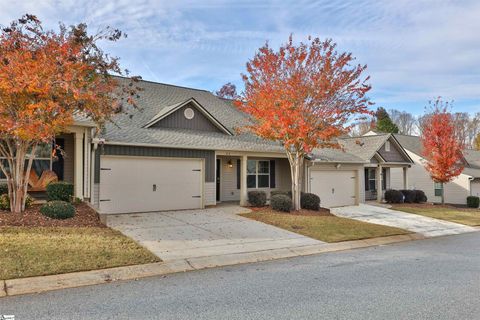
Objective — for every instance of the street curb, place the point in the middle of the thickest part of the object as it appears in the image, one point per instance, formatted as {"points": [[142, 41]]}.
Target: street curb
{"points": [[3, 293], [85, 278]]}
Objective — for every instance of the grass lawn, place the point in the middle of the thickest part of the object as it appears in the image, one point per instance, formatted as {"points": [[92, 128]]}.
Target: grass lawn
{"points": [[469, 217], [324, 228], [36, 251]]}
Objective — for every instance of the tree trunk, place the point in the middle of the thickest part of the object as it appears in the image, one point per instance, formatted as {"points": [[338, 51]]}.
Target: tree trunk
{"points": [[17, 170], [443, 193], [296, 164]]}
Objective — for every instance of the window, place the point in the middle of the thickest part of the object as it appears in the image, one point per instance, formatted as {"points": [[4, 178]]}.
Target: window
{"points": [[42, 161], [371, 180], [387, 146], [258, 174], [438, 189]]}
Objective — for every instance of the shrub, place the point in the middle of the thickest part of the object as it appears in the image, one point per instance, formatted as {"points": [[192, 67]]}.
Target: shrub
{"points": [[275, 192], [393, 196], [62, 191], [281, 202], [410, 196], [58, 210], [257, 198], [310, 201], [5, 202], [3, 188], [420, 196], [473, 202]]}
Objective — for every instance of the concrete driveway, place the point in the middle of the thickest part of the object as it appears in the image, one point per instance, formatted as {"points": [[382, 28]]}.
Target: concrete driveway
{"points": [[426, 226], [186, 234]]}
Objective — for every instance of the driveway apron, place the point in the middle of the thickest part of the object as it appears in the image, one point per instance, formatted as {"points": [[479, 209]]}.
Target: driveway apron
{"points": [[186, 234], [426, 226]]}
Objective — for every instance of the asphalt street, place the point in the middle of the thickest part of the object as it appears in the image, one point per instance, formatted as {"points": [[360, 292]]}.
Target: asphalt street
{"points": [[437, 278]]}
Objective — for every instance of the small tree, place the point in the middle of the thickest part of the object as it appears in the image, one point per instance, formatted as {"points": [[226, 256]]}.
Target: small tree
{"points": [[442, 149], [384, 123], [476, 142], [303, 96], [227, 91], [45, 78]]}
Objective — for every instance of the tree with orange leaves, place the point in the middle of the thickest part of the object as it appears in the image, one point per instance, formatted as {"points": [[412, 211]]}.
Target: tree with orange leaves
{"points": [[303, 96], [45, 78], [442, 150]]}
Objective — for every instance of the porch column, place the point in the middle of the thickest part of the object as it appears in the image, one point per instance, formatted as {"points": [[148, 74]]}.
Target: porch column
{"points": [[243, 182], [78, 164], [405, 178], [379, 183]]}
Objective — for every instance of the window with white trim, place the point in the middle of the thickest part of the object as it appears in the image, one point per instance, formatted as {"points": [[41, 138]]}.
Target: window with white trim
{"points": [[438, 189], [387, 146], [258, 174]]}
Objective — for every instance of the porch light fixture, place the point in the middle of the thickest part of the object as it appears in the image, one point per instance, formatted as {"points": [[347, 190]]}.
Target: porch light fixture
{"points": [[230, 163]]}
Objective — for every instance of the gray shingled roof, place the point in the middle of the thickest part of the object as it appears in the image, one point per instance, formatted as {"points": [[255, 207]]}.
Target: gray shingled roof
{"points": [[410, 143], [364, 147], [155, 97]]}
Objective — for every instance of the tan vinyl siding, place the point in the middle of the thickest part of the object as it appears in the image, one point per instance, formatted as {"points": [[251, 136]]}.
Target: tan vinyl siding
{"points": [[456, 192]]}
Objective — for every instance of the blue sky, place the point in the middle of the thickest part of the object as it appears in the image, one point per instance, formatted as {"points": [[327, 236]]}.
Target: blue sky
{"points": [[414, 50]]}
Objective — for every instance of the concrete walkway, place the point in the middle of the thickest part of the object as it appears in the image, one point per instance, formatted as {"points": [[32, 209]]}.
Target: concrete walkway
{"points": [[217, 231], [428, 227]]}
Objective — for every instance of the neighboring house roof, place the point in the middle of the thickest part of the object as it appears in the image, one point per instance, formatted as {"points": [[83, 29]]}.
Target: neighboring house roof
{"points": [[472, 157], [410, 143]]}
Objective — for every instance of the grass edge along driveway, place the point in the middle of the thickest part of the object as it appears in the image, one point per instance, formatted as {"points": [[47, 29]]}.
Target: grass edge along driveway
{"points": [[469, 217], [37, 251], [324, 228]]}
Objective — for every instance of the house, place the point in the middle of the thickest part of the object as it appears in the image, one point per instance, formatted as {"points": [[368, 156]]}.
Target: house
{"points": [[456, 191], [181, 150]]}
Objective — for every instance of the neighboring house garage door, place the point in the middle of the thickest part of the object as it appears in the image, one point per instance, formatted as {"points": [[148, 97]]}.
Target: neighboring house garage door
{"points": [[335, 188], [135, 184]]}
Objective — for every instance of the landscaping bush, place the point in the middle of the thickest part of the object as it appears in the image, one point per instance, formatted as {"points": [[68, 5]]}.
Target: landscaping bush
{"points": [[3, 188], [257, 198], [5, 202], [393, 196], [410, 196], [281, 202], [275, 192], [310, 201], [62, 191], [420, 196], [473, 202], [58, 210]]}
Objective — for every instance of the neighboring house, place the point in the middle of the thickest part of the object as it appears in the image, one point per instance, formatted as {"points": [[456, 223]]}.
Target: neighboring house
{"points": [[181, 150], [456, 191]]}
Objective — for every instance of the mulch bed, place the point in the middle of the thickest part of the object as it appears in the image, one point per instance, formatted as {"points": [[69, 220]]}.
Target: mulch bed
{"points": [[85, 216]]}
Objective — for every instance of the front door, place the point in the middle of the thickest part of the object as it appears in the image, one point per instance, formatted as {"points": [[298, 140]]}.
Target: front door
{"points": [[217, 179]]}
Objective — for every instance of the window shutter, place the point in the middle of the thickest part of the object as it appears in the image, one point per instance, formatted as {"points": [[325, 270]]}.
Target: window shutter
{"points": [[272, 174], [238, 173]]}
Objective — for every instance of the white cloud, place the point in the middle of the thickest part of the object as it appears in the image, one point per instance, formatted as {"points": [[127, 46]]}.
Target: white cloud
{"points": [[414, 49]]}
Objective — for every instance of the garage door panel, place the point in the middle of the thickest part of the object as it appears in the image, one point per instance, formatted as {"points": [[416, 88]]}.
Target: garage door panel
{"points": [[130, 184], [335, 188]]}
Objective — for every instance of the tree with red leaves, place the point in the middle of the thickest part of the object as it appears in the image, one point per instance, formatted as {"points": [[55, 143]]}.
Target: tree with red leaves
{"points": [[303, 96], [227, 91], [45, 78], [442, 149]]}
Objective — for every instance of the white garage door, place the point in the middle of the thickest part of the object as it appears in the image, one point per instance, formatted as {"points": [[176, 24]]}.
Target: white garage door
{"points": [[132, 184], [335, 188]]}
